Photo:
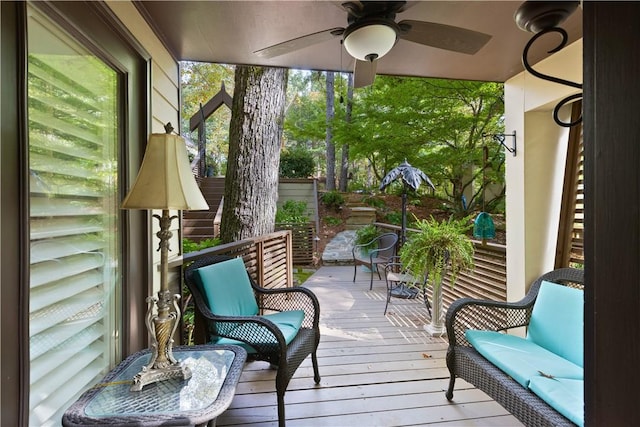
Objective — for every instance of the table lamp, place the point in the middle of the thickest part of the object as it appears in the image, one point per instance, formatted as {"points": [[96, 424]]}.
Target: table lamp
{"points": [[165, 182]]}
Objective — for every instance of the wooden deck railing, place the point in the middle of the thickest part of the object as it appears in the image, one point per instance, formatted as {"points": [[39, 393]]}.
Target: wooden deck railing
{"points": [[488, 279], [268, 258]]}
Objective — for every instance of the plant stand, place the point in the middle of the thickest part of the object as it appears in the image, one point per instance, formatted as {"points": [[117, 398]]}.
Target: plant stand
{"points": [[436, 328]]}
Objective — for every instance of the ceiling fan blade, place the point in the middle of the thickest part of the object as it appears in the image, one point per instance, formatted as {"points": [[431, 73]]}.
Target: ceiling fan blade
{"points": [[364, 73], [444, 36], [299, 43]]}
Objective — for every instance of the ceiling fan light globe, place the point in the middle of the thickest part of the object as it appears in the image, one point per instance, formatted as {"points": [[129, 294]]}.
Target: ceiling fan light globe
{"points": [[374, 40]]}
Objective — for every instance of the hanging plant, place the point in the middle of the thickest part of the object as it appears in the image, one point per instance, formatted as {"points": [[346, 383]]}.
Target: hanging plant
{"points": [[438, 247]]}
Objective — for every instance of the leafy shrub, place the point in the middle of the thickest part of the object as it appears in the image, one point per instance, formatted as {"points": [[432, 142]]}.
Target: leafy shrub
{"points": [[292, 212], [189, 245], [374, 202], [394, 218], [332, 220], [366, 234], [296, 163], [332, 199]]}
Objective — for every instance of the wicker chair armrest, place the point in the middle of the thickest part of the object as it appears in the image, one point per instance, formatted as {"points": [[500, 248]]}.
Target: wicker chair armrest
{"points": [[284, 299], [257, 331], [469, 313]]}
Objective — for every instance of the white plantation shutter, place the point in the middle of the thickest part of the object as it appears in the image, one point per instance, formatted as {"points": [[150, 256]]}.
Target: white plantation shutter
{"points": [[74, 279]]}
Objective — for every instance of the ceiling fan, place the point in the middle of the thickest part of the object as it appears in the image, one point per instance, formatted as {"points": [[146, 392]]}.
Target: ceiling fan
{"points": [[372, 32]]}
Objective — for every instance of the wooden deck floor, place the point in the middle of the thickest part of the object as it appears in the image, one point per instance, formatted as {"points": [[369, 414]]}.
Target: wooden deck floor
{"points": [[376, 370]]}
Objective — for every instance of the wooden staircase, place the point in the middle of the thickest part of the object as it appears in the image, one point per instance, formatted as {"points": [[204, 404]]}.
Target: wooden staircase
{"points": [[199, 225]]}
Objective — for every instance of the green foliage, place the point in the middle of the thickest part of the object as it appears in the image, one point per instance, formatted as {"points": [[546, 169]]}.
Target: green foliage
{"points": [[300, 276], [296, 163], [374, 202], [436, 125], [332, 220], [366, 234], [332, 199], [393, 218], [292, 212], [438, 247], [191, 246]]}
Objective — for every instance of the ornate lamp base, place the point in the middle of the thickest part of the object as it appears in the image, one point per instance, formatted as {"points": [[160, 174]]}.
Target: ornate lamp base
{"points": [[162, 365], [148, 376]]}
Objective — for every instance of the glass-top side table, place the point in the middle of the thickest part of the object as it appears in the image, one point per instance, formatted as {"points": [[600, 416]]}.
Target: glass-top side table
{"points": [[199, 400]]}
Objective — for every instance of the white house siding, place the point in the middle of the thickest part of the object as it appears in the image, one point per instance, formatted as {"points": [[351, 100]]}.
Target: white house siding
{"points": [[165, 105]]}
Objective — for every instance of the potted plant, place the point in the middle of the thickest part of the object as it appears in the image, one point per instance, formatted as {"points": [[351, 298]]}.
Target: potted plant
{"points": [[435, 249], [366, 235]]}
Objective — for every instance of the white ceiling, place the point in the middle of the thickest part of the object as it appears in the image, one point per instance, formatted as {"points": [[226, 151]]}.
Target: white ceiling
{"points": [[231, 31]]}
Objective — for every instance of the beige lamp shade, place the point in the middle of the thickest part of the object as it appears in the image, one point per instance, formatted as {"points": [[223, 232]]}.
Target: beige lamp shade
{"points": [[165, 180]]}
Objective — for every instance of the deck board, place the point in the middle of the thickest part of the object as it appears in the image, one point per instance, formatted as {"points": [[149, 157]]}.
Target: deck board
{"points": [[376, 370]]}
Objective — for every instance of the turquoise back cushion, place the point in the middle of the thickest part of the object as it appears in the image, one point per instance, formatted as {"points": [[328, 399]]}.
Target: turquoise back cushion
{"points": [[227, 288], [557, 321]]}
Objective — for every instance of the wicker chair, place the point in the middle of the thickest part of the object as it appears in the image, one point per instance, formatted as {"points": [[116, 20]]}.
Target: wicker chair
{"points": [[259, 334], [465, 362], [385, 250]]}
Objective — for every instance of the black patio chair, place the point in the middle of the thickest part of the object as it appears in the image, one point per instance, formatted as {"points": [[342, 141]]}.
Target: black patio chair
{"points": [[279, 326], [384, 249], [403, 283]]}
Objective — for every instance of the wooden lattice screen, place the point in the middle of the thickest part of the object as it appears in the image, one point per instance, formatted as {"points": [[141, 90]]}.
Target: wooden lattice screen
{"points": [[570, 245]]}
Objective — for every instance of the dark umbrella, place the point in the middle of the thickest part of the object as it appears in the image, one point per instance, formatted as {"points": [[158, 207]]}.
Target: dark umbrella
{"points": [[411, 178]]}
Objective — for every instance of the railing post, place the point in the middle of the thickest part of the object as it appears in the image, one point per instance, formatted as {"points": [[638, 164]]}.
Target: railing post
{"points": [[289, 243], [260, 262]]}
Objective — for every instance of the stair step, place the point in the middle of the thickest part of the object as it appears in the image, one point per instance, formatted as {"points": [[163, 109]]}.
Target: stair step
{"points": [[201, 223]]}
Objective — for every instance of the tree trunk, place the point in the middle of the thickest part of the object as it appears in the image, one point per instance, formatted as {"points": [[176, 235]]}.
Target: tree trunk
{"points": [[344, 163], [255, 131], [331, 148]]}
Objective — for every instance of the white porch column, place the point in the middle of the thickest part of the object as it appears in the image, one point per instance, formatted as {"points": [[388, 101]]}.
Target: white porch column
{"points": [[534, 177]]}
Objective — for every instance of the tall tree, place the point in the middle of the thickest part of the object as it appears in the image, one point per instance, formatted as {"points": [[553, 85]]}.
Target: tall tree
{"points": [[255, 132], [331, 147], [436, 125], [344, 161]]}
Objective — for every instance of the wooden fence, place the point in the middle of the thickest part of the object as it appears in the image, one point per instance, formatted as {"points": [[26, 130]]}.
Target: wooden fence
{"points": [[267, 258], [302, 241]]}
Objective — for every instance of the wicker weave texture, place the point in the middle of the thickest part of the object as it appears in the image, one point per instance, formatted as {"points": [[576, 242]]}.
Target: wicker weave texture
{"points": [[262, 334], [464, 362]]}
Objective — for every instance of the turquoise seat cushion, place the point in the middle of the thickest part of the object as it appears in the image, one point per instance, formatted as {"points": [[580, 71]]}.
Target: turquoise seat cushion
{"points": [[227, 288], [557, 321], [288, 322], [520, 358], [564, 395]]}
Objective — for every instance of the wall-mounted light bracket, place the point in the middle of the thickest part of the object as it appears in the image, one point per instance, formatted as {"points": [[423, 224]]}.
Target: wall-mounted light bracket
{"points": [[500, 138], [541, 18]]}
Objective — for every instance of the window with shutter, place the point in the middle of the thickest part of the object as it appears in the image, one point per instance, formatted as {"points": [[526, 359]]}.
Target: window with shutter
{"points": [[74, 236], [571, 228]]}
